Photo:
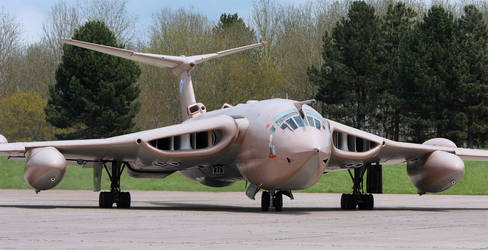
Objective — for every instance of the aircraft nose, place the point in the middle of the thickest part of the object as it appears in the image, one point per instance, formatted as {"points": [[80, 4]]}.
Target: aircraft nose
{"points": [[310, 163], [310, 145]]}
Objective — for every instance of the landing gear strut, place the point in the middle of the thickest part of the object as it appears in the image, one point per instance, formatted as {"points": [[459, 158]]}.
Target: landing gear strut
{"points": [[358, 198], [107, 199], [276, 200]]}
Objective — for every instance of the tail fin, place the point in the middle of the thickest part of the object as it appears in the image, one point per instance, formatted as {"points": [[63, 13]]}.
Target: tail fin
{"points": [[181, 65]]}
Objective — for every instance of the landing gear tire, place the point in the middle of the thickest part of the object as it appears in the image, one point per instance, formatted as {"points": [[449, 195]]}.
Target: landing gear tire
{"points": [[265, 201], [105, 200], [348, 202], [367, 202], [124, 200], [358, 198], [278, 201]]}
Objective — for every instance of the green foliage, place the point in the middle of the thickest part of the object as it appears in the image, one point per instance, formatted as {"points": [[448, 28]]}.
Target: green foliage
{"points": [[407, 78], [348, 79], [94, 93], [395, 24], [431, 79], [232, 31], [472, 40], [22, 118], [232, 79]]}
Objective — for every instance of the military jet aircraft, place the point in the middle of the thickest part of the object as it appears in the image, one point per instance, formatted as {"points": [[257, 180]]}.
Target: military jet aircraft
{"points": [[275, 145]]}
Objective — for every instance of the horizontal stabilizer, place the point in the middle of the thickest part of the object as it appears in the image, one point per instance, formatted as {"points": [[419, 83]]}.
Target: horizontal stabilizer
{"points": [[156, 59]]}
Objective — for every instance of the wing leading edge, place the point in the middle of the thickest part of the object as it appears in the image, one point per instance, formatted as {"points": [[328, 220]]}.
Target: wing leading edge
{"points": [[128, 147], [386, 151]]}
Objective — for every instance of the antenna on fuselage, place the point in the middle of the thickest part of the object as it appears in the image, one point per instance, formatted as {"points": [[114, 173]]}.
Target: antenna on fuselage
{"points": [[181, 65], [299, 106]]}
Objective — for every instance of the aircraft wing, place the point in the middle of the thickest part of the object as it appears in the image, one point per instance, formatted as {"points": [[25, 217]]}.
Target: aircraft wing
{"points": [[206, 139], [353, 147]]}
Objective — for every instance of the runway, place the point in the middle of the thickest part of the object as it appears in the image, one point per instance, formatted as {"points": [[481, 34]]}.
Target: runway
{"points": [[188, 220]]}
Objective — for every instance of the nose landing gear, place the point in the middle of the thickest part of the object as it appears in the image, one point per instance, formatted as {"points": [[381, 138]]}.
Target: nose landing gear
{"points": [[276, 199]]}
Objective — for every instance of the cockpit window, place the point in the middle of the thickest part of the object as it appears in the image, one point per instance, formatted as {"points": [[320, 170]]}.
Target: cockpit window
{"points": [[285, 115], [317, 124], [290, 119], [310, 121], [298, 120], [292, 124]]}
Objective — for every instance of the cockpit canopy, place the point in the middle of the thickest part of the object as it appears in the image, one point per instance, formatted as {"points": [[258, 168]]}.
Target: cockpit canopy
{"points": [[292, 120]]}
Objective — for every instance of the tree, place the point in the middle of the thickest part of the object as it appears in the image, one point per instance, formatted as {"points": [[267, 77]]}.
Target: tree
{"points": [[234, 72], [9, 36], [472, 39], [94, 94], [22, 118], [395, 24], [232, 31], [10, 32], [65, 17], [431, 78], [348, 79], [177, 32], [62, 22]]}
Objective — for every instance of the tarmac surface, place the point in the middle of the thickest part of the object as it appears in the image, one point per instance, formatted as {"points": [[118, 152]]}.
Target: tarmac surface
{"points": [[187, 220]]}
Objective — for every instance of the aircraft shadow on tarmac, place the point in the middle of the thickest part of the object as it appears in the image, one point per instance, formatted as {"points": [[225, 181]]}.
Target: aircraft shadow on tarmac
{"points": [[178, 206]]}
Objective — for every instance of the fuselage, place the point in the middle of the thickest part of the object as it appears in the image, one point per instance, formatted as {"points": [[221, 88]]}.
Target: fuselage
{"points": [[282, 149]]}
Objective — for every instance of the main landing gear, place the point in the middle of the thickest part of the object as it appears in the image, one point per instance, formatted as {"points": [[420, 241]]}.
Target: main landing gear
{"points": [[274, 198], [107, 199], [359, 199]]}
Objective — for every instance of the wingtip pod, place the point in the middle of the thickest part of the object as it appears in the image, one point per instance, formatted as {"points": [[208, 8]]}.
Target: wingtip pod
{"points": [[3, 140], [435, 172], [45, 168]]}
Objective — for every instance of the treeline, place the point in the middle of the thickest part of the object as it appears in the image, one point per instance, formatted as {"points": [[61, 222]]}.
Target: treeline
{"points": [[406, 77], [391, 86]]}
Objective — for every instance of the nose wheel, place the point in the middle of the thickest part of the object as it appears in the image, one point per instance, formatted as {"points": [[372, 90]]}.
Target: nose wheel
{"points": [[276, 199], [265, 201]]}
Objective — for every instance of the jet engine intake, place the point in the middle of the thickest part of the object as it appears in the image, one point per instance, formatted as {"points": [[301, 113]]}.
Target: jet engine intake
{"points": [[435, 172], [45, 168]]}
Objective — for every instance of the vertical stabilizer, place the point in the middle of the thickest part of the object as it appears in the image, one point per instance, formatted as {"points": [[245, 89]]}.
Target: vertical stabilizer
{"points": [[187, 94]]}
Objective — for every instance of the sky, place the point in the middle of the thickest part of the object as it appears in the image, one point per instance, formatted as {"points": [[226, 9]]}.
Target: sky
{"points": [[32, 13]]}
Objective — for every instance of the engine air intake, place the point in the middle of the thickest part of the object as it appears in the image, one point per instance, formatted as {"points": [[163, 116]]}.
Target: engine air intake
{"points": [[191, 141], [351, 143]]}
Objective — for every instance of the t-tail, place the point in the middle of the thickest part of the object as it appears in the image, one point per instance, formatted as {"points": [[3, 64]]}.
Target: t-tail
{"points": [[181, 65]]}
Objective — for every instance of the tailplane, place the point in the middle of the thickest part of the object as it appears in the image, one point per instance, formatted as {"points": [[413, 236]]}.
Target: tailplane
{"points": [[181, 65]]}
